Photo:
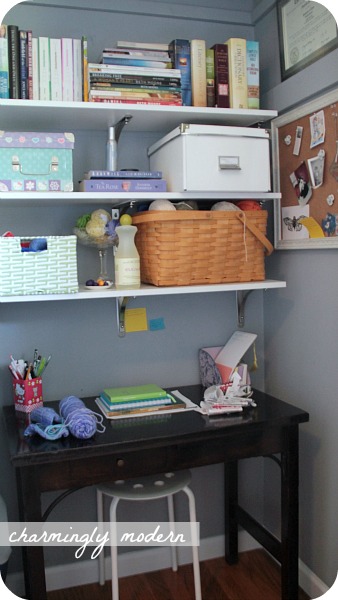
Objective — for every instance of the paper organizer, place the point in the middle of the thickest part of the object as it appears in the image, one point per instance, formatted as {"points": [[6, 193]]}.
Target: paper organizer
{"points": [[217, 363]]}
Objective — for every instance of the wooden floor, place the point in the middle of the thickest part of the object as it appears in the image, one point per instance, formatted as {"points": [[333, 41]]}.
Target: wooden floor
{"points": [[255, 577]]}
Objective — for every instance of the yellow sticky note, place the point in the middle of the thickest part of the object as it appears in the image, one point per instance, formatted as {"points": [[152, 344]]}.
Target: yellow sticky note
{"points": [[136, 319], [314, 229]]}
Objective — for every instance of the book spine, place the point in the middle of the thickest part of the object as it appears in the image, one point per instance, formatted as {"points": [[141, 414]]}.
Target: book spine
{"points": [[55, 69], [67, 69], [85, 82], [143, 45], [124, 175], [30, 64], [137, 94], [144, 102], [198, 73], [137, 55], [13, 61], [77, 70], [134, 62], [134, 80], [123, 185], [44, 68], [125, 70], [4, 67], [35, 66], [237, 73], [210, 76], [222, 97], [180, 55], [252, 65], [23, 64]]}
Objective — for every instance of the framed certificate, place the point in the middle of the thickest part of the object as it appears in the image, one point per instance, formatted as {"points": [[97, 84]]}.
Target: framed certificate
{"points": [[307, 31]]}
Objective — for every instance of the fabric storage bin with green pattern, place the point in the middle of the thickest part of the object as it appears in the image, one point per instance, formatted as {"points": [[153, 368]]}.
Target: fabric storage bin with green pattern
{"points": [[49, 271]]}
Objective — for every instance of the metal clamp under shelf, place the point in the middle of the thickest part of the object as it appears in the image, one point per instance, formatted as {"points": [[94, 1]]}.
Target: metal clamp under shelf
{"points": [[121, 305], [241, 297]]}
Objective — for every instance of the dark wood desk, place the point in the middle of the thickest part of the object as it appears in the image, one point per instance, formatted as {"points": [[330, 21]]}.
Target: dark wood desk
{"points": [[167, 442]]}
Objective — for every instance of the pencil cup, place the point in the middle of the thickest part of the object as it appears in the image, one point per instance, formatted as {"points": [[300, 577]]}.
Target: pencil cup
{"points": [[27, 394]]}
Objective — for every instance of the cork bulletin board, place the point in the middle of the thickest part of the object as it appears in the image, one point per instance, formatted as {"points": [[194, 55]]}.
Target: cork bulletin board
{"points": [[305, 172]]}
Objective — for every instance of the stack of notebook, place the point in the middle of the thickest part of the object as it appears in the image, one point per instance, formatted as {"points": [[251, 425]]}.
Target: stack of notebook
{"points": [[124, 401]]}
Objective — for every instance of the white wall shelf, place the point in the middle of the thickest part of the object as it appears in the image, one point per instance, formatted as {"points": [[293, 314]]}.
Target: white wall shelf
{"points": [[38, 115]]}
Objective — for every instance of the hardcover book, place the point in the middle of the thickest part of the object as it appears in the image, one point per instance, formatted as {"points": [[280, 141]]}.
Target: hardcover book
{"points": [[85, 83], [4, 69], [137, 392], [44, 68], [127, 70], [13, 61], [143, 45], [35, 68], [77, 70], [23, 40], [237, 73], [222, 99], [179, 52], [55, 69], [67, 69], [123, 185], [198, 73], [210, 76], [136, 54], [252, 66], [30, 64], [134, 62], [123, 175]]}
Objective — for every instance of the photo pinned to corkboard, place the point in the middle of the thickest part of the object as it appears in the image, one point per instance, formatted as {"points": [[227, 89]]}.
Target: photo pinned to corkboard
{"points": [[305, 172]]}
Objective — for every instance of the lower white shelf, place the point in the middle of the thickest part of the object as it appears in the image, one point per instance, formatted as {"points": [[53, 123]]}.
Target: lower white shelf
{"points": [[146, 290]]}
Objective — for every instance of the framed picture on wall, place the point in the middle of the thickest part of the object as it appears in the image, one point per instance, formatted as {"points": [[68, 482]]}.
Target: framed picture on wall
{"points": [[305, 173], [307, 31]]}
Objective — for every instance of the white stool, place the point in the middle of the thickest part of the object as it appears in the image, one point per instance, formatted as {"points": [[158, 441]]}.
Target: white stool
{"points": [[152, 487]]}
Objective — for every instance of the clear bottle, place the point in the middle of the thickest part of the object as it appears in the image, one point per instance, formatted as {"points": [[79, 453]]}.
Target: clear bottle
{"points": [[127, 259]]}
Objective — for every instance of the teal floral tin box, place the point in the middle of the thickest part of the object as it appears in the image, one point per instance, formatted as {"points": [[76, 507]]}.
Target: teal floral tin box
{"points": [[36, 162]]}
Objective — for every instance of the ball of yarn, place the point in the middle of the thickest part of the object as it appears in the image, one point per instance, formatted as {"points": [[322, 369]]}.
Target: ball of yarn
{"points": [[161, 205], [224, 205], [80, 420]]}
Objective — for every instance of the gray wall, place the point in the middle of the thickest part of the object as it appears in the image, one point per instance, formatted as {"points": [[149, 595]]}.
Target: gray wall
{"points": [[301, 332], [87, 353]]}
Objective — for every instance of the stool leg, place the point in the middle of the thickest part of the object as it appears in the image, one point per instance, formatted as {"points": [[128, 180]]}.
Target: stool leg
{"points": [[196, 564], [171, 514], [99, 504], [114, 574]]}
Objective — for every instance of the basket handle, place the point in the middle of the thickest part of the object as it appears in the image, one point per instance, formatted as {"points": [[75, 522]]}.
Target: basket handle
{"points": [[259, 235]]}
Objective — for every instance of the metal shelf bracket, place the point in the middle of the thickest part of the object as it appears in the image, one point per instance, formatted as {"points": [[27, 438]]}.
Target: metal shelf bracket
{"points": [[241, 297], [121, 305]]}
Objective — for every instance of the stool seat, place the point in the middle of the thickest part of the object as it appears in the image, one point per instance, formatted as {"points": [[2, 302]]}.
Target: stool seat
{"points": [[148, 487]]}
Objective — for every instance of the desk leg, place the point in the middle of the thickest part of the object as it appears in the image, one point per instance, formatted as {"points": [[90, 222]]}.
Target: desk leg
{"points": [[290, 524], [30, 511], [231, 504]]}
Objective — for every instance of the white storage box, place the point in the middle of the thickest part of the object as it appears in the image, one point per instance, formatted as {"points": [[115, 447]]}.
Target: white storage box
{"points": [[213, 158]]}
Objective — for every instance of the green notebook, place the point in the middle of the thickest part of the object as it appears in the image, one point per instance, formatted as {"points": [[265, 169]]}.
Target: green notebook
{"points": [[137, 392]]}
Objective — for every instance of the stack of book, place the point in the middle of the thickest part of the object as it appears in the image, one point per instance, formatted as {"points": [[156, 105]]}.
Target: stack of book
{"points": [[41, 68], [123, 181], [136, 400], [135, 75]]}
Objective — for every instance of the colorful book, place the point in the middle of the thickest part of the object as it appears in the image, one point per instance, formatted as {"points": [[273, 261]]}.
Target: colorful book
{"points": [[237, 72], [134, 62], [143, 45], [4, 67], [44, 68], [210, 76], [252, 66], [123, 185], [135, 403], [222, 99], [85, 83], [135, 392], [136, 94], [126, 70], [152, 102], [123, 175], [136, 54], [55, 70], [111, 414], [13, 61], [118, 79], [179, 52], [77, 70], [198, 73], [23, 40], [67, 69]]}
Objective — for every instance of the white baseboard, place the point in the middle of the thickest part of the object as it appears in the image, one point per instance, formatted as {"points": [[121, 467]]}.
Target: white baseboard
{"points": [[152, 559]]}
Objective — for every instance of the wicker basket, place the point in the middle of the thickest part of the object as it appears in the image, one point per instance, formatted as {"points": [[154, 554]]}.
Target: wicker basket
{"points": [[52, 271], [201, 247]]}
